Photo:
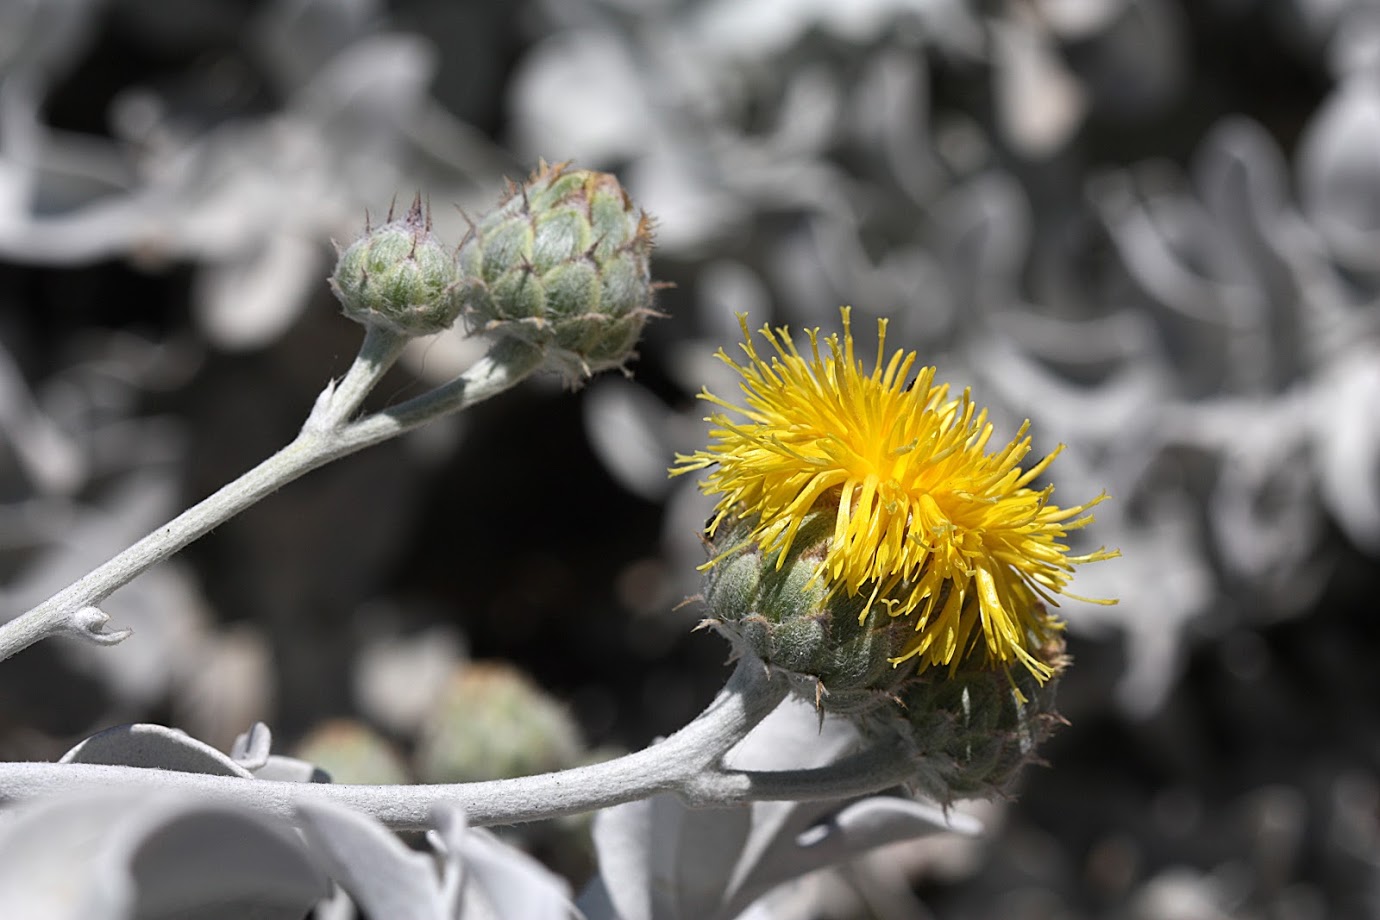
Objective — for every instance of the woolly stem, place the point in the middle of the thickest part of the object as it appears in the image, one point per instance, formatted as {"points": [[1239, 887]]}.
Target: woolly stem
{"points": [[671, 765], [327, 435]]}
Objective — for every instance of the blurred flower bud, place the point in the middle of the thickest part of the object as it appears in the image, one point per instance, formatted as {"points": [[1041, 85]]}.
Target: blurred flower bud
{"points": [[351, 752], [399, 277], [563, 263], [492, 722]]}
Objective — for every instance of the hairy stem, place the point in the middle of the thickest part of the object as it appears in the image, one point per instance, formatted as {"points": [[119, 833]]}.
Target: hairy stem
{"points": [[337, 402], [327, 435], [876, 767], [669, 765]]}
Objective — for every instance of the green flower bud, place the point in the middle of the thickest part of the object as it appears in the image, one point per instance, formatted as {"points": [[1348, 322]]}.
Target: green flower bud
{"points": [[968, 729], [783, 612], [563, 263], [971, 731], [399, 276], [351, 752], [492, 722]]}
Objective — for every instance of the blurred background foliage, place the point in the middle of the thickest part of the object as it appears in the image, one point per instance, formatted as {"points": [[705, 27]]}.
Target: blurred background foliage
{"points": [[1151, 226]]}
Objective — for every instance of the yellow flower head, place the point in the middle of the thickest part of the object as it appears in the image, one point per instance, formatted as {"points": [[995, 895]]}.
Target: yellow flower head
{"points": [[929, 524]]}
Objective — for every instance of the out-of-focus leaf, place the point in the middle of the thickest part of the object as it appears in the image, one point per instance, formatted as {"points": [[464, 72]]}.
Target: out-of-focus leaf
{"points": [[1133, 61], [879, 820], [1339, 178], [1349, 452], [164, 608], [1039, 103], [660, 860], [223, 680], [50, 458], [625, 426], [1264, 512], [384, 878], [984, 232], [298, 37], [41, 39], [399, 678], [478, 877], [1185, 894], [113, 856], [379, 80], [1243, 180], [554, 96], [250, 302], [763, 29], [498, 880]]}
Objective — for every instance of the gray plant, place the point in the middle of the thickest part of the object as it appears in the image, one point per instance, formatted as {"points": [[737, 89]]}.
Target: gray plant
{"points": [[168, 825], [1104, 215]]}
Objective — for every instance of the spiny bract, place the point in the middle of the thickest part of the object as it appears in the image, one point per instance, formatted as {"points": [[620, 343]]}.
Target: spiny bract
{"points": [[563, 263], [399, 276]]}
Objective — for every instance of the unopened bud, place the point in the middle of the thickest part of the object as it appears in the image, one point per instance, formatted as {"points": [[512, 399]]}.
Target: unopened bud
{"points": [[493, 722], [351, 752], [563, 263], [783, 612], [399, 276], [970, 732]]}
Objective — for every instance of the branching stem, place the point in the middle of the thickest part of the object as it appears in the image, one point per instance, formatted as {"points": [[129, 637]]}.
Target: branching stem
{"points": [[672, 765], [328, 435], [875, 767]]}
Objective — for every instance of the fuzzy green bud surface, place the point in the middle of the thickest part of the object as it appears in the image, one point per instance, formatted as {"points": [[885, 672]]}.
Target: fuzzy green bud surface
{"points": [[399, 277], [562, 263], [970, 732], [781, 611]]}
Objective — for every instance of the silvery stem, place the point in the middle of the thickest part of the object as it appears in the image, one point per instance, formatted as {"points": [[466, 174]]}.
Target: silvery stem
{"points": [[671, 765], [327, 435]]}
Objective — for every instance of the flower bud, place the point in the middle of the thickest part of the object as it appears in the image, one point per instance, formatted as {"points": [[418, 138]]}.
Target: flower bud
{"points": [[563, 263], [351, 752], [783, 612], [399, 277], [492, 722], [971, 731]]}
